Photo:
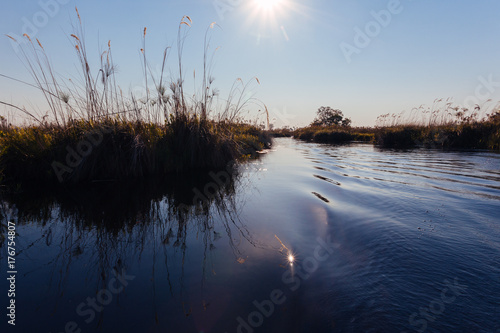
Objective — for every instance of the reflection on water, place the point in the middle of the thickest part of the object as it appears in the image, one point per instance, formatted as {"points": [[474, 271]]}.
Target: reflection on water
{"points": [[381, 240], [84, 238]]}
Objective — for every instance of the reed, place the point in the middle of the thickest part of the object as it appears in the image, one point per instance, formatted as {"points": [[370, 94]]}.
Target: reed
{"points": [[94, 132], [332, 134], [442, 126]]}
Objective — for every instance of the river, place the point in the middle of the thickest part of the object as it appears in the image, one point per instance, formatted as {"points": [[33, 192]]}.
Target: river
{"points": [[382, 241]]}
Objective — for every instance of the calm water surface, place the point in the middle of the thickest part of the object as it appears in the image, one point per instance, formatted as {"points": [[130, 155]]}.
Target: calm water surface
{"points": [[383, 241]]}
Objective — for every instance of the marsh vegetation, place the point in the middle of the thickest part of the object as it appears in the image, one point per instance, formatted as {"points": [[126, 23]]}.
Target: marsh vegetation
{"points": [[94, 131], [444, 126]]}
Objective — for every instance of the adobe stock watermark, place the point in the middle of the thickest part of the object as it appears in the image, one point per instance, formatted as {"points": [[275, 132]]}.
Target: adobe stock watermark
{"points": [[420, 320], [282, 116], [226, 6], [484, 91], [32, 24], [83, 149], [293, 277], [364, 36], [88, 308]]}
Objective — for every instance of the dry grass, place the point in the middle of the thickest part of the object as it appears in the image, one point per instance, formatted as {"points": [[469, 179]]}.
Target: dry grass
{"points": [[442, 126], [332, 134], [443, 112], [162, 132]]}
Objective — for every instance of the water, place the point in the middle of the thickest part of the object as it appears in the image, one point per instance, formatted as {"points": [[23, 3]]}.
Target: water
{"points": [[383, 240]]}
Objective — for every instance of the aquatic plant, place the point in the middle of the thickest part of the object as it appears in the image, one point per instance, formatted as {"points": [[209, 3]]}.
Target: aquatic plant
{"points": [[332, 134], [442, 126], [94, 132]]}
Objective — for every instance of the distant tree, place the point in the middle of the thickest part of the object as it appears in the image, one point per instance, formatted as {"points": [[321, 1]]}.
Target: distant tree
{"points": [[346, 122], [326, 116]]}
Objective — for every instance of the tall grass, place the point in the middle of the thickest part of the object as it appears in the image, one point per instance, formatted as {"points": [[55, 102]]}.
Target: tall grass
{"points": [[444, 125], [443, 112], [164, 131], [332, 134]]}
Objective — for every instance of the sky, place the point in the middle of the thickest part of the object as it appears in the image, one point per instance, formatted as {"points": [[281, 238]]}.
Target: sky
{"points": [[365, 58]]}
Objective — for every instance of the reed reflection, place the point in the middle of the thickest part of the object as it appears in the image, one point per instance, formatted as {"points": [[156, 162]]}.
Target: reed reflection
{"points": [[111, 226]]}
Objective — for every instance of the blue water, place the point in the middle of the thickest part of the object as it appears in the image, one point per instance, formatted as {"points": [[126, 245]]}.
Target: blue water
{"points": [[383, 241]]}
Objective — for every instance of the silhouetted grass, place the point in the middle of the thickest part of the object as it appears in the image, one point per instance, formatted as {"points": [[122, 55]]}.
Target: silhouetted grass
{"points": [[398, 137], [84, 151], [332, 134], [281, 132], [469, 134], [94, 132], [444, 126]]}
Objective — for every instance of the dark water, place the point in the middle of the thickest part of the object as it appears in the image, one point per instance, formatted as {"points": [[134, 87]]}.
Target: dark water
{"points": [[384, 241]]}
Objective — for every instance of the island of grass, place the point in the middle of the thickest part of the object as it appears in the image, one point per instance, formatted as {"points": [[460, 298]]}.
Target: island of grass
{"points": [[447, 127], [113, 149], [95, 133]]}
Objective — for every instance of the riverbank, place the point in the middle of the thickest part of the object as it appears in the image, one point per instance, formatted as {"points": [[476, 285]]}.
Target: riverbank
{"points": [[477, 135], [86, 151], [93, 132], [465, 135]]}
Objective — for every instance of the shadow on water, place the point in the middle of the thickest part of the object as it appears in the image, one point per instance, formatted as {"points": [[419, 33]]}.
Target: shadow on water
{"points": [[401, 227], [112, 226]]}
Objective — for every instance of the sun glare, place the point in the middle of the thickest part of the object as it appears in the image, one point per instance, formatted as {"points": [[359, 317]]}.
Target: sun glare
{"points": [[267, 18], [268, 5]]}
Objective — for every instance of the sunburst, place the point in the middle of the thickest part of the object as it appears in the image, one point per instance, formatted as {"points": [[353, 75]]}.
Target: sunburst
{"points": [[268, 5]]}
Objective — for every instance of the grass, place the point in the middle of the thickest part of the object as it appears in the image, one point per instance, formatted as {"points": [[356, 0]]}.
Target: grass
{"points": [[442, 126], [112, 149], [445, 127], [284, 132], [94, 132], [332, 134], [480, 135]]}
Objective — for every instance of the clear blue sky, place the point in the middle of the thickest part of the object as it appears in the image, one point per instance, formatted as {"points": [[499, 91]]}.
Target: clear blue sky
{"points": [[306, 54]]}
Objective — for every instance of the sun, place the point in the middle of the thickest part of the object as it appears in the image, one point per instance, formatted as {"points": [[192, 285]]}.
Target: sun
{"points": [[268, 5], [267, 18]]}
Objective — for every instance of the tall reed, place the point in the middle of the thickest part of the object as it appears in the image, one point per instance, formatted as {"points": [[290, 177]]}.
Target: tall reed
{"points": [[163, 131], [443, 125]]}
